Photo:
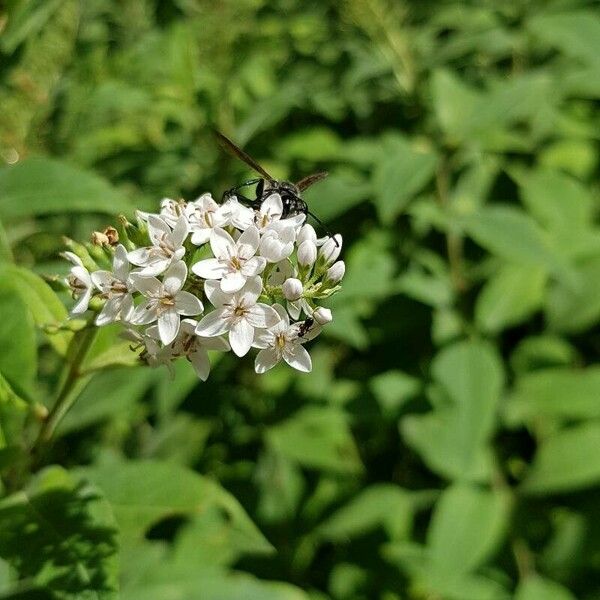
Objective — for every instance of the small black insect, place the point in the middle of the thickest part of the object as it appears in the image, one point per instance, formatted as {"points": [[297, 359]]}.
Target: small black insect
{"points": [[290, 193], [304, 328]]}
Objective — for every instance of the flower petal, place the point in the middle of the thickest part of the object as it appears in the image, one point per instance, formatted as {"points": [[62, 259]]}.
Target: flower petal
{"points": [[144, 313], [157, 229], [180, 231], [149, 286], [209, 268], [187, 304], [272, 206], [110, 311], [232, 282], [201, 236], [241, 336], [298, 357], [222, 244], [175, 277], [215, 343], [254, 266], [248, 242], [102, 279], [263, 338], [213, 324], [266, 359], [82, 303], [168, 326], [251, 291], [212, 289], [262, 315], [200, 362], [120, 264]]}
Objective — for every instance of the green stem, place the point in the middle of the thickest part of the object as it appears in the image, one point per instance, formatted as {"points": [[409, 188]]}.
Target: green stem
{"points": [[69, 390]]}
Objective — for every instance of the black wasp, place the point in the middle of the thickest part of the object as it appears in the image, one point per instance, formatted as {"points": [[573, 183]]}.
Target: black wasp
{"points": [[290, 193]]}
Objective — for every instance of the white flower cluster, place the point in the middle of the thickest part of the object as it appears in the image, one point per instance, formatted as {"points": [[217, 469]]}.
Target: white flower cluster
{"points": [[203, 276]]}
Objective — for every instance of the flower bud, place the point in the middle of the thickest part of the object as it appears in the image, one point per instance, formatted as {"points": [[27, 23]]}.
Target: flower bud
{"points": [[322, 316], [99, 239], [292, 289], [307, 232], [331, 249], [336, 272], [307, 253]]}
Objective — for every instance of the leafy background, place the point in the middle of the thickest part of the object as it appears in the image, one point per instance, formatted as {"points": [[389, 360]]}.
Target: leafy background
{"points": [[447, 443]]}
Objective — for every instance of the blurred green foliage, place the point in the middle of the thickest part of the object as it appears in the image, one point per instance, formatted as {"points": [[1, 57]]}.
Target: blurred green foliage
{"points": [[447, 443]]}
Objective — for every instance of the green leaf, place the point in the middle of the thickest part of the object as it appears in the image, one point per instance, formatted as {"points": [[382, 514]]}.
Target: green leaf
{"points": [[143, 492], [109, 395], [556, 394], [26, 21], [566, 460], [452, 439], [509, 297], [403, 171], [511, 234], [573, 309], [317, 438], [536, 587], [18, 359], [454, 538], [59, 533], [343, 190], [393, 389], [576, 33], [40, 186], [455, 104], [165, 581], [558, 201], [385, 505], [5, 249], [44, 305], [13, 412]]}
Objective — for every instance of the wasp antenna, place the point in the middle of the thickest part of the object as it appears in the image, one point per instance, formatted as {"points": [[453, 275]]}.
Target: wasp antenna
{"points": [[323, 226]]}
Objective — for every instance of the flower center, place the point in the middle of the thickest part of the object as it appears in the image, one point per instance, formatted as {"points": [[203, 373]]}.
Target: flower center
{"points": [[235, 263], [76, 284], [280, 341]]}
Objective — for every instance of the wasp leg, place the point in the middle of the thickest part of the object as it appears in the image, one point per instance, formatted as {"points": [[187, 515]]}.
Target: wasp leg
{"points": [[233, 191]]}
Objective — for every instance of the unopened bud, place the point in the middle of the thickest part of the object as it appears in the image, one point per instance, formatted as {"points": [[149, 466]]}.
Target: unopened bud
{"points": [[292, 289], [336, 272], [112, 235], [99, 239], [322, 316], [331, 249], [307, 232], [307, 253]]}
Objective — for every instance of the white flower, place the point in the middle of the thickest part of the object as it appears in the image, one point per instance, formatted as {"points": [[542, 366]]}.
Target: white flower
{"points": [[277, 244], [331, 249], [292, 289], [307, 232], [237, 215], [322, 315], [203, 215], [80, 282], [281, 341], [167, 246], [153, 354], [270, 214], [336, 272], [234, 262], [114, 286], [170, 211], [307, 253], [237, 314], [195, 348], [165, 301]]}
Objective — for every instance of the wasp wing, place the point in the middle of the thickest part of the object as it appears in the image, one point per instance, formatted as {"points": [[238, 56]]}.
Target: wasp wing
{"points": [[306, 182], [239, 153]]}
